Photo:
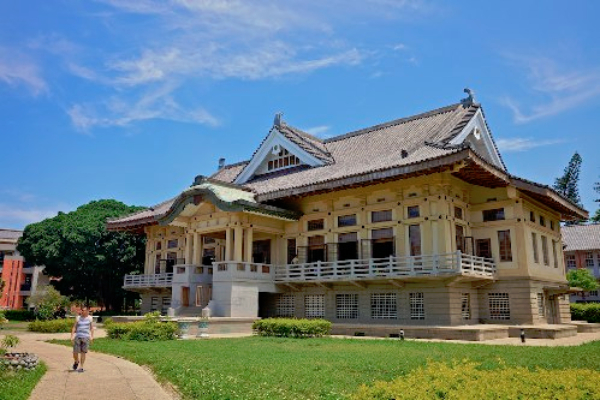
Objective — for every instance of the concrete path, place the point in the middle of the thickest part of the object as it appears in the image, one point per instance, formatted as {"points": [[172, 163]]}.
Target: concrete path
{"points": [[105, 376]]}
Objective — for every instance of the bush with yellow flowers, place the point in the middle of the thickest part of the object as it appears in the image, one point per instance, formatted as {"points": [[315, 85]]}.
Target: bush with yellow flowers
{"points": [[465, 380]]}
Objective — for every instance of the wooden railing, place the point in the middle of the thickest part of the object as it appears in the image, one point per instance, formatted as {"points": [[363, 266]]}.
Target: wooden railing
{"points": [[148, 281], [389, 267]]}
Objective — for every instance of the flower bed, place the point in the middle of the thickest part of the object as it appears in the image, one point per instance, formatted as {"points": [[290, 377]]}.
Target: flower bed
{"points": [[19, 361]]}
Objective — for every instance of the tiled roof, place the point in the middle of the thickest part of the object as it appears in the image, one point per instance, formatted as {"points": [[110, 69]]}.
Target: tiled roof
{"points": [[581, 237], [395, 143], [398, 146]]}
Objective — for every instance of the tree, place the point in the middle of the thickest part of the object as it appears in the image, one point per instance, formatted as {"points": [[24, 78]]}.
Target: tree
{"points": [[567, 185], [47, 302], [90, 260], [582, 278]]}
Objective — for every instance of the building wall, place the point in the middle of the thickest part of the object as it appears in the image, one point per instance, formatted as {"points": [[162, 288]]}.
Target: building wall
{"points": [[584, 259], [12, 275], [444, 202]]}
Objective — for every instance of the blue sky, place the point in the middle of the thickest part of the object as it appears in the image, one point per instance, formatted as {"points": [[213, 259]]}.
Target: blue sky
{"points": [[131, 99]]}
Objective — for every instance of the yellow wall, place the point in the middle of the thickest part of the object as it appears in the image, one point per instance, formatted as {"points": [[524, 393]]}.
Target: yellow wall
{"points": [[436, 195]]}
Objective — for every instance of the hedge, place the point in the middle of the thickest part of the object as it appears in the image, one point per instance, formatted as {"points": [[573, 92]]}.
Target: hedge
{"points": [[19, 315], [467, 381], [142, 330], [51, 326], [589, 312], [290, 327]]}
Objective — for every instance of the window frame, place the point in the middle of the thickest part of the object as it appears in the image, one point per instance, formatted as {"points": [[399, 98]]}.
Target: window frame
{"points": [[493, 214]]}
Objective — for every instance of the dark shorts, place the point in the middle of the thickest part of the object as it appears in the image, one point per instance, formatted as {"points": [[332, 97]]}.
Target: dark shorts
{"points": [[80, 345]]}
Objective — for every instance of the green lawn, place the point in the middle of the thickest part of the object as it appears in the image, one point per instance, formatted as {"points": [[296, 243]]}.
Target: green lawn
{"points": [[275, 368], [18, 385]]}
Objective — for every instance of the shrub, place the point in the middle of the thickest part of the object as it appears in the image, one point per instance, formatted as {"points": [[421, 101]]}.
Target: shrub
{"points": [[142, 330], [3, 319], [464, 381], [51, 326], [289, 327], [586, 312], [19, 315], [8, 342], [107, 321]]}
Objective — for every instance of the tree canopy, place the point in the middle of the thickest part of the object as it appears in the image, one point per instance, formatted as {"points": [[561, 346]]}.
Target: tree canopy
{"points": [[90, 260], [568, 183], [582, 278]]}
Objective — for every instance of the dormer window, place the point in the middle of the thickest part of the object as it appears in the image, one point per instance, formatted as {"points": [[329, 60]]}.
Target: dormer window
{"points": [[283, 159]]}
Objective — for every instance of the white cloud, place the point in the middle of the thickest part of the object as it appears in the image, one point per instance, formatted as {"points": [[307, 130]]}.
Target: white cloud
{"points": [[16, 69], [522, 144], [14, 215], [152, 104], [560, 88], [320, 130]]}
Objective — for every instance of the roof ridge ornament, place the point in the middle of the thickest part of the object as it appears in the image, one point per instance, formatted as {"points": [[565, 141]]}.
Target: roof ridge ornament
{"points": [[278, 121], [470, 100]]}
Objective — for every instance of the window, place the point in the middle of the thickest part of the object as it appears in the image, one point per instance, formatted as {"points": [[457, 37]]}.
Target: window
{"points": [[460, 238], [261, 251], [346, 220], [551, 225], [346, 306], [157, 264], [166, 303], [158, 245], [571, 262], [593, 293], [466, 306], [384, 306], [154, 304], [458, 213], [484, 248], [316, 225], [283, 159], [504, 245], [540, 304], [545, 250], [172, 244], [496, 214], [542, 221], [555, 253], [531, 216], [414, 238], [417, 306], [536, 256], [382, 241], [347, 246], [316, 249], [285, 305], [589, 259], [291, 250], [381, 216], [314, 306], [499, 306], [413, 212]]}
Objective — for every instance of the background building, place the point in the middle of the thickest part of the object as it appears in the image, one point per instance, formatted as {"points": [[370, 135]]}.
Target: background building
{"points": [[21, 280], [582, 250]]}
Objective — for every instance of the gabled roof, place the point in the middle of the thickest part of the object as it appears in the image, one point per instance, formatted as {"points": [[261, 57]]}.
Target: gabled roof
{"points": [[581, 237]]}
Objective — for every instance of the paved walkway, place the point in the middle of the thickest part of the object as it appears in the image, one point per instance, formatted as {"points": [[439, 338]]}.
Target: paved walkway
{"points": [[105, 376]]}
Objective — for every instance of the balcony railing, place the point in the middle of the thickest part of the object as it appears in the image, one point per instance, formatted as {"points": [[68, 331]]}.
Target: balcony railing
{"points": [[390, 267], [148, 281], [226, 270]]}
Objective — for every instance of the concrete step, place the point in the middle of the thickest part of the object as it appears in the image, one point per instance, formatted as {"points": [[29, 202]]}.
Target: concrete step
{"points": [[586, 327], [543, 331]]}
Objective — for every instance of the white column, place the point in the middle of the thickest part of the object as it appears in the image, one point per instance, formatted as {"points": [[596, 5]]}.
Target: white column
{"points": [[189, 248], [195, 248], [228, 244], [238, 242], [249, 240]]}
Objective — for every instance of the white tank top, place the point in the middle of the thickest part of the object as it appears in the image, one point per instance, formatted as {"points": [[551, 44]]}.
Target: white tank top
{"points": [[84, 325]]}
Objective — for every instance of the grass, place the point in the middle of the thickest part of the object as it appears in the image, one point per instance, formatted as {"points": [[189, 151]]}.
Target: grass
{"points": [[18, 385], [278, 368]]}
